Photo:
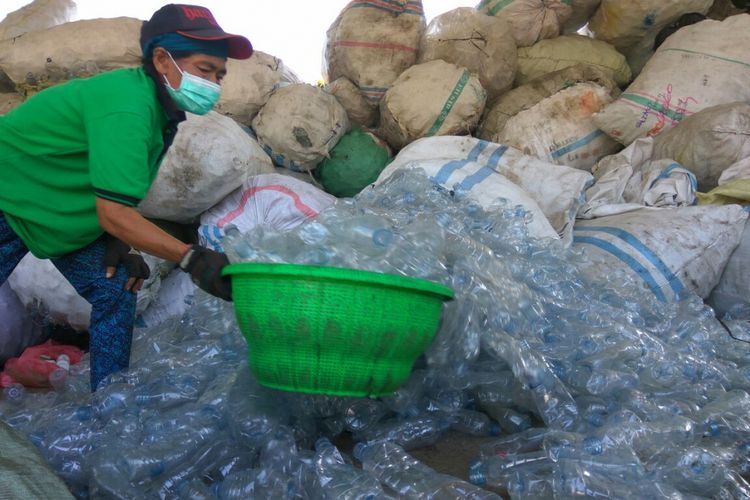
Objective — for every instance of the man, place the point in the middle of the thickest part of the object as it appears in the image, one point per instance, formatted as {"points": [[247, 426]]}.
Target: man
{"points": [[77, 158]]}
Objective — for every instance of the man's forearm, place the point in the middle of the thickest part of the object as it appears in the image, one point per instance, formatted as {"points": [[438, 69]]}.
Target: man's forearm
{"points": [[126, 224]]}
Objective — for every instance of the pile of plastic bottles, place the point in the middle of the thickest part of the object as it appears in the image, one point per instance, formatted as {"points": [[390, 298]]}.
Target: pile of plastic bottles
{"points": [[591, 386]]}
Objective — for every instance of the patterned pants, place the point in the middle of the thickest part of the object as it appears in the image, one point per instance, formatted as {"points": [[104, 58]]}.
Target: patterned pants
{"points": [[112, 307]]}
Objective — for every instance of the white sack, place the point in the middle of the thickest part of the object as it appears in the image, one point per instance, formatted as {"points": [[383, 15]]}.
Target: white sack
{"points": [[372, 42], [483, 185], [631, 26], [432, 98], [699, 66], [632, 179], [470, 39], [671, 251], [557, 190], [559, 129], [299, 125], [249, 83], [18, 328], [79, 49], [38, 15], [708, 142], [41, 287], [734, 286], [272, 200], [531, 20], [211, 156]]}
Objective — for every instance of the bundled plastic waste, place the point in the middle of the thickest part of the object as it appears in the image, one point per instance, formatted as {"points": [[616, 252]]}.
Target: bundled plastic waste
{"points": [[600, 389]]}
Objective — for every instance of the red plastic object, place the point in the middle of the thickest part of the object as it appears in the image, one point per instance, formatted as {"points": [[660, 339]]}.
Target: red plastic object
{"points": [[35, 364]]}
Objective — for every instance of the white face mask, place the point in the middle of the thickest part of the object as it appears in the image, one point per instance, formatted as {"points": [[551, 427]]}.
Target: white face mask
{"points": [[195, 94]]}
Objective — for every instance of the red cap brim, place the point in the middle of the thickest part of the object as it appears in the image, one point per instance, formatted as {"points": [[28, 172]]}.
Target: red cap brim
{"points": [[239, 46]]}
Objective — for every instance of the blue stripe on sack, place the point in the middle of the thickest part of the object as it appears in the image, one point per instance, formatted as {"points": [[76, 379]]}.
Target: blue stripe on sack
{"points": [[449, 168], [640, 247], [576, 145], [627, 259], [497, 155], [219, 235], [671, 168], [472, 180]]}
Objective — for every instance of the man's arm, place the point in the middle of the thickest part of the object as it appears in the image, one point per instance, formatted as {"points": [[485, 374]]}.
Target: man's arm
{"points": [[126, 224]]}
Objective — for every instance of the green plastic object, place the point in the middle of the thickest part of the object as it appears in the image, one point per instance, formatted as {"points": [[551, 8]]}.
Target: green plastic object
{"points": [[354, 163], [327, 330]]}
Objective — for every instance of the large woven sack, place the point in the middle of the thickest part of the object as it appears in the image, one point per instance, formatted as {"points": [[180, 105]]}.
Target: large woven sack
{"points": [[272, 201], [699, 66], [547, 56], [582, 12], [25, 474], [559, 129], [708, 142], [557, 190], [249, 83], [670, 251], [528, 95], [10, 101], [432, 98], [632, 26], [530, 20], [299, 125], [485, 186], [211, 156], [482, 44], [359, 109], [79, 49], [372, 42], [733, 288], [38, 15]]}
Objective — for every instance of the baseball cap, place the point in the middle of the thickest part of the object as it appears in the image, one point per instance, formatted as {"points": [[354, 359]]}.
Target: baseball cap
{"points": [[195, 22]]}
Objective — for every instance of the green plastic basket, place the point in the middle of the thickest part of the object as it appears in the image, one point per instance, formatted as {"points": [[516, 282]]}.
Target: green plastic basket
{"points": [[326, 330]]}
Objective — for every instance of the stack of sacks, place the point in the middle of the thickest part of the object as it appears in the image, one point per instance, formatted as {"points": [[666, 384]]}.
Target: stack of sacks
{"points": [[372, 42], [551, 117], [482, 44], [669, 88], [488, 172], [632, 26], [530, 20]]}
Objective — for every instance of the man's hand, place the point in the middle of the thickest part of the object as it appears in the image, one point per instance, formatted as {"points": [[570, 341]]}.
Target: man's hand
{"points": [[204, 266], [115, 253]]}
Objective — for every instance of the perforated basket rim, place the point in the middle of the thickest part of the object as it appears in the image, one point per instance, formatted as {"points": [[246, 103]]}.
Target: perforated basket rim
{"points": [[340, 274]]}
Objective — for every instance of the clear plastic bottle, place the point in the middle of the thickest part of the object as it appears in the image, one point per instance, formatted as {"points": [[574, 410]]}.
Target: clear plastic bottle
{"points": [[411, 478], [474, 423], [236, 246], [14, 393], [339, 479], [409, 433], [364, 413]]}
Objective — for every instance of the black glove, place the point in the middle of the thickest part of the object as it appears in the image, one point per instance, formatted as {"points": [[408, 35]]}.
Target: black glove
{"points": [[204, 266], [116, 253]]}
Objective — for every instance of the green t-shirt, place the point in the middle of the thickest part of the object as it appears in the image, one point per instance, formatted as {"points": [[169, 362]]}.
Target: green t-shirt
{"points": [[62, 148]]}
